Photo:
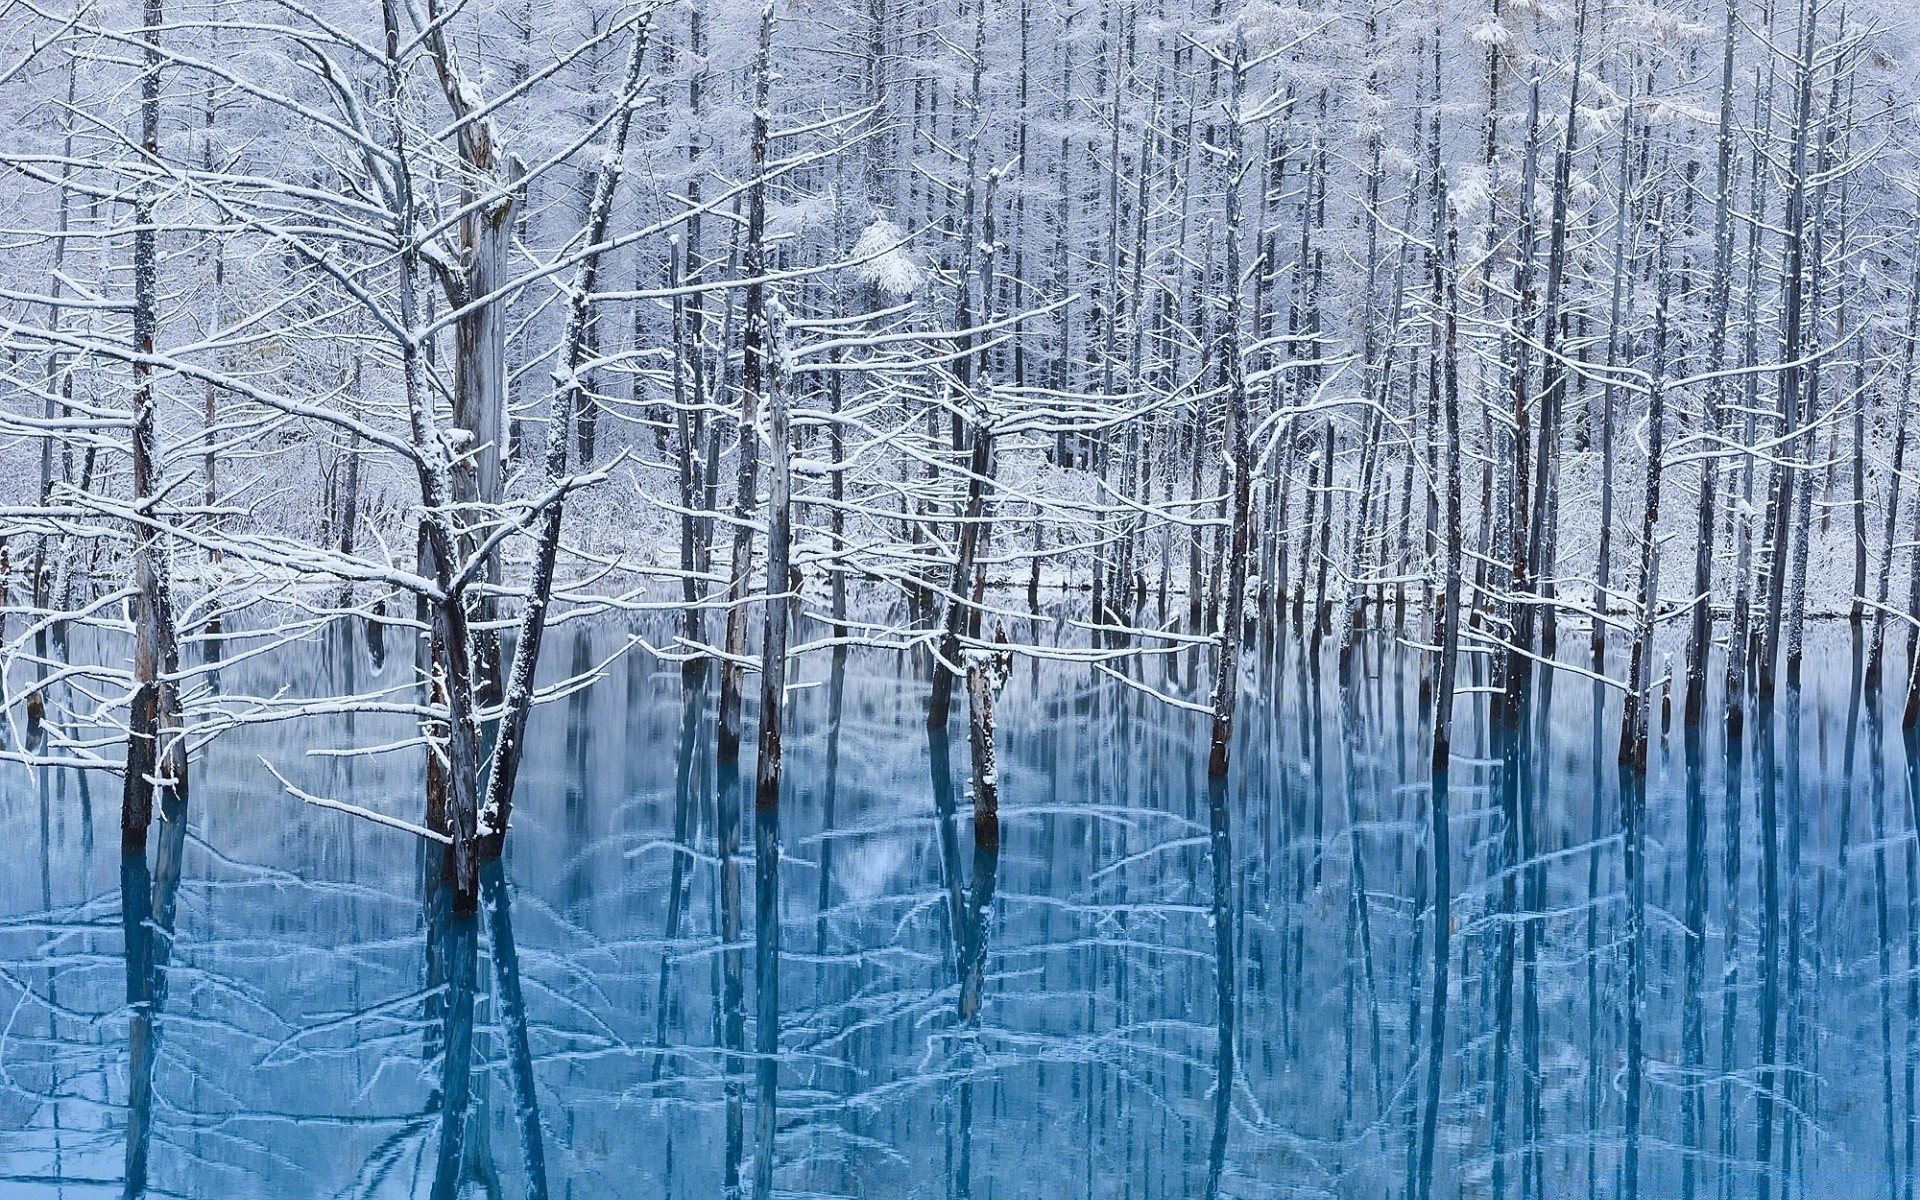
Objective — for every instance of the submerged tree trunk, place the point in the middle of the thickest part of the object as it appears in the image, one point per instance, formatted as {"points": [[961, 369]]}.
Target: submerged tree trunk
{"points": [[765, 367]]}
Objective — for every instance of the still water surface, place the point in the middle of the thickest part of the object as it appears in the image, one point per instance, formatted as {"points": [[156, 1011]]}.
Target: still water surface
{"points": [[265, 1007]]}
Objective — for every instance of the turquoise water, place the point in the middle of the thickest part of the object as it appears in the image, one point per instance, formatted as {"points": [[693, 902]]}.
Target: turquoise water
{"points": [[1176, 990]]}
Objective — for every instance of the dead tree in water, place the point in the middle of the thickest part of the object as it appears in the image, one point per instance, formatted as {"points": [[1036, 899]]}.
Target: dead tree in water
{"points": [[474, 277], [1633, 728], [156, 751], [1444, 367], [1546, 490], [975, 232], [1793, 282], [509, 743], [753, 372], [1226, 680], [453, 808], [470, 797], [765, 367], [1235, 440], [1700, 627]]}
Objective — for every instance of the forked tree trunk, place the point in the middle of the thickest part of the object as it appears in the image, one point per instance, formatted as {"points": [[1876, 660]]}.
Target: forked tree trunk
{"points": [[474, 287]]}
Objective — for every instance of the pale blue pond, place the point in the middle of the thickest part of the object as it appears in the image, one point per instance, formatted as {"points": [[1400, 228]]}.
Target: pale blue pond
{"points": [[294, 1016]]}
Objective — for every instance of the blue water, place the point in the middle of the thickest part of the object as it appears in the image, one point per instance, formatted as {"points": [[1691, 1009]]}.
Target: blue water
{"points": [[283, 1009]]}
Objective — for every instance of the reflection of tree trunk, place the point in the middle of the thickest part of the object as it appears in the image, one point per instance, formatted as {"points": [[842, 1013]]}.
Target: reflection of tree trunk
{"points": [[985, 673], [973, 945], [1359, 906], [1517, 732], [939, 756], [1911, 744], [1416, 966], [1439, 851], [973, 957], [687, 770], [766, 984], [970, 903], [765, 366], [434, 892], [1883, 941], [836, 694], [1731, 836], [1694, 958], [1534, 899], [458, 939], [513, 1019], [945, 815], [732, 970], [147, 906], [1769, 945], [1506, 724], [1633, 803], [136, 914], [580, 770], [1226, 976], [1793, 1015]]}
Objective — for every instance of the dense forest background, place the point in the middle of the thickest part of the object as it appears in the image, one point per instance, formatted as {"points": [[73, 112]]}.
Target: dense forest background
{"points": [[1661, 260], [1293, 353]]}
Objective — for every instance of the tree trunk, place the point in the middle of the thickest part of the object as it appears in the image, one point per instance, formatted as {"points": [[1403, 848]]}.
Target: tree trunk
{"points": [[156, 750]]}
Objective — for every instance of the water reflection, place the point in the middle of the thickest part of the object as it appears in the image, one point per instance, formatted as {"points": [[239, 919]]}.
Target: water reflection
{"points": [[1334, 972], [148, 905], [453, 947], [513, 1024]]}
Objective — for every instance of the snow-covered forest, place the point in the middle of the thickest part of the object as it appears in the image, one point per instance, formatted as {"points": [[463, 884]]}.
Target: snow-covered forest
{"points": [[1222, 359]]}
